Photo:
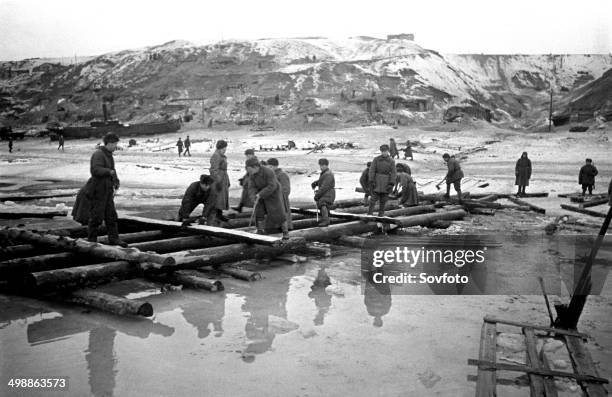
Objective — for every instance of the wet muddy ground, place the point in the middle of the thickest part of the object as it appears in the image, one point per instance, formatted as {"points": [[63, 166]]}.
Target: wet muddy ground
{"points": [[290, 334]]}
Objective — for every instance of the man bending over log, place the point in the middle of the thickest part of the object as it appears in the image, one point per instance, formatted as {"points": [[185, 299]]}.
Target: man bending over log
{"points": [[268, 205], [100, 192], [453, 176], [245, 200], [199, 192], [326, 191]]}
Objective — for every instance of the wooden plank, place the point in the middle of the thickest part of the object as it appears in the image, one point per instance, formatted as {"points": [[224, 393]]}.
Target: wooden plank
{"points": [[583, 364], [25, 197], [549, 383], [230, 234], [583, 211], [579, 198], [111, 303], [30, 213], [525, 203], [487, 378], [491, 319], [536, 382], [371, 218], [489, 365], [490, 197]]}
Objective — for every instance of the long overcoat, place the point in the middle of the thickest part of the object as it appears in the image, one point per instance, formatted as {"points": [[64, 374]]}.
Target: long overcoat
{"points": [[265, 183], [522, 171], [218, 170]]}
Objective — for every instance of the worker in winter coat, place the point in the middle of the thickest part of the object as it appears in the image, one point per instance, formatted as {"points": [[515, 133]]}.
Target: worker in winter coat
{"points": [[218, 170], [587, 175], [267, 191], [381, 178], [245, 199], [522, 171], [283, 179], [100, 191], [409, 196], [453, 175], [60, 144], [199, 192], [393, 148], [179, 145], [408, 151], [363, 181], [187, 146], [325, 192]]}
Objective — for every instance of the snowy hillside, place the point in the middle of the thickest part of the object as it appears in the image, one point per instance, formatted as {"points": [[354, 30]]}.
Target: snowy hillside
{"points": [[292, 83]]}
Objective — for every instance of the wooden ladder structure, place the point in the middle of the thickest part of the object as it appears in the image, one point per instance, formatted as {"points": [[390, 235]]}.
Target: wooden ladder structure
{"points": [[541, 376]]}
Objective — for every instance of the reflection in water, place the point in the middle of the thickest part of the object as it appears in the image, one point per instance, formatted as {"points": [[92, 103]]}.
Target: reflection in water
{"points": [[377, 298], [101, 361], [264, 300], [321, 298], [202, 314]]}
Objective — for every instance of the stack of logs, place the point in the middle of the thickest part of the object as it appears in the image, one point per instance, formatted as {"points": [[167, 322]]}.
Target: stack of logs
{"points": [[61, 265], [585, 202]]}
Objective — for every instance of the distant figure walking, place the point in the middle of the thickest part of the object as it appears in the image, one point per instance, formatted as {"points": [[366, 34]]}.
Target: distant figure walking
{"points": [[179, 145], [453, 176], [10, 143], [60, 140], [587, 175], [187, 146], [408, 151], [523, 173], [393, 148]]}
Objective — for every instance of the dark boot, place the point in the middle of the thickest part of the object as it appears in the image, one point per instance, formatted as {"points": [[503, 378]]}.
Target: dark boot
{"points": [[324, 217], [261, 224], [92, 232], [221, 217], [459, 196], [238, 208], [285, 230], [371, 206], [113, 235]]}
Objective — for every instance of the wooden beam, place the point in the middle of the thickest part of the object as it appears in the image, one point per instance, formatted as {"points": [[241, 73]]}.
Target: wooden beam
{"points": [[539, 385], [84, 247], [526, 204], [583, 211], [488, 365], [370, 218], [196, 281], [490, 197], [25, 197], [111, 303], [8, 213], [230, 234], [487, 377], [19, 267], [579, 198], [558, 331], [583, 364]]}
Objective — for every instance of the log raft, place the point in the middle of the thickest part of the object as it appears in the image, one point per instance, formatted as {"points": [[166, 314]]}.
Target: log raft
{"points": [[111, 303]]}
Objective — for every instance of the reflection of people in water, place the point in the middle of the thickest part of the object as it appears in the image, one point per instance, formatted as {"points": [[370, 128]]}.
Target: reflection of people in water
{"points": [[202, 314], [101, 361], [377, 298], [269, 298], [321, 298]]}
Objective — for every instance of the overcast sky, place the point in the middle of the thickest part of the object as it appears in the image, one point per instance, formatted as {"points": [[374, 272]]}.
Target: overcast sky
{"points": [[63, 28]]}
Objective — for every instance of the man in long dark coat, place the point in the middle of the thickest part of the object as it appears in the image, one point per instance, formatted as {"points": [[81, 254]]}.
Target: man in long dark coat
{"points": [[245, 199], [218, 170], [179, 145], [522, 171], [453, 175], [283, 179], [393, 148], [100, 192], [587, 175], [381, 178], [187, 146], [325, 193], [269, 209], [363, 181], [199, 192]]}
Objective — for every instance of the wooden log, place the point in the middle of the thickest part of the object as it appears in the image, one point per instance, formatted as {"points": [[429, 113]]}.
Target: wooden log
{"points": [[490, 197], [482, 211], [19, 267], [179, 243], [230, 234], [426, 219], [16, 213], [111, 303], [487, 379], [241, 274], [339, 204], [85, 247], [214, 256], [594, 202], [579, 198], [526, 204], [244, 222], [194, 281], [317, 250], [583, 211], [352, 241], [347, 216], [536, 382], [583, 365], [24, 250]]}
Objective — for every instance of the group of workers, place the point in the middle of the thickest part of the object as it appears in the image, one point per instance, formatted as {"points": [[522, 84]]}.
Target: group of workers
{"points": [[266, 189], [180, 144]]}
